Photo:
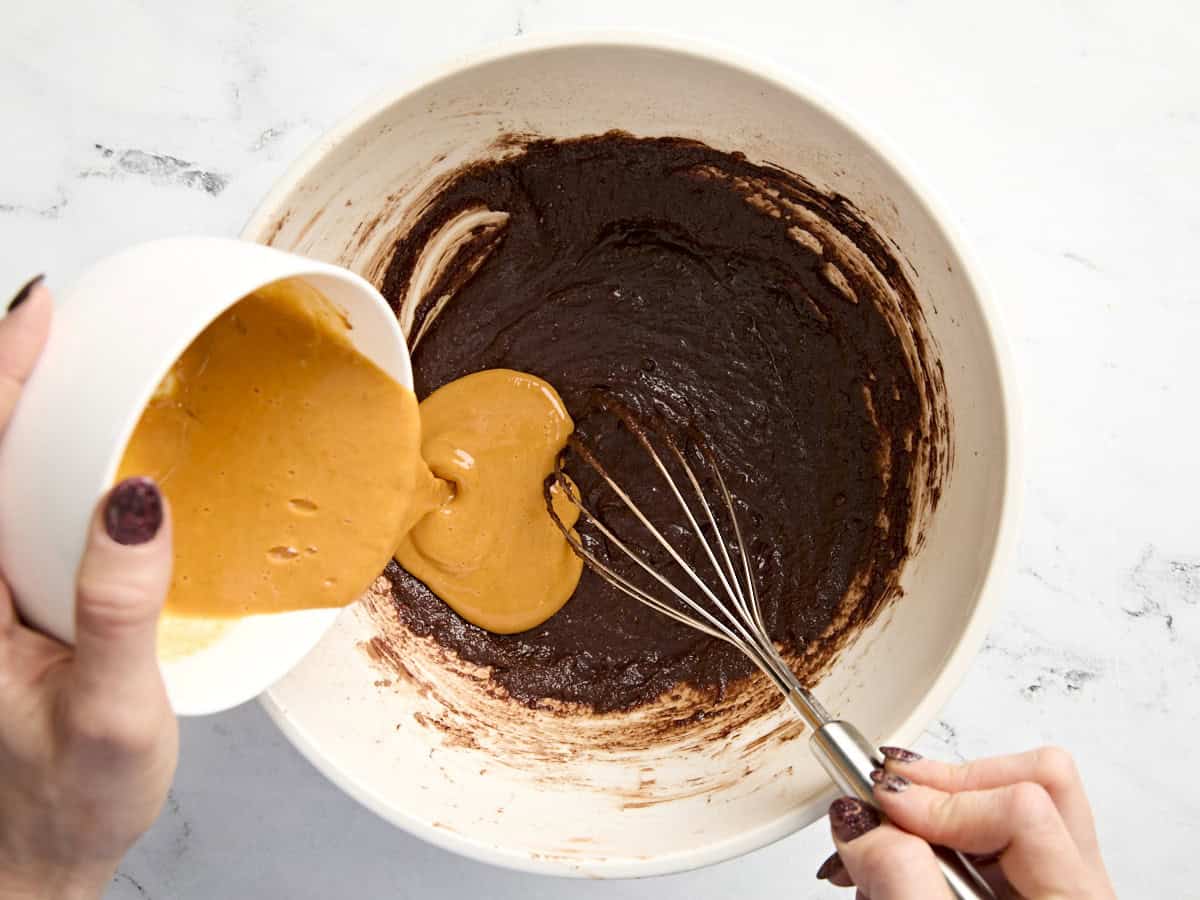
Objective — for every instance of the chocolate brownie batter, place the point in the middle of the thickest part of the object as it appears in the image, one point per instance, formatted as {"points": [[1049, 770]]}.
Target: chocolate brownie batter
{"points": [[729, 297]]}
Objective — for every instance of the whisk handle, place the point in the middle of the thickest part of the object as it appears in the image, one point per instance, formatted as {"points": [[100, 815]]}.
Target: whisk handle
{"points": [[849, 758]]}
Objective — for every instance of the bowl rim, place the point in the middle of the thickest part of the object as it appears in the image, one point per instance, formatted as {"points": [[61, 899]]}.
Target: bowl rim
{"points": [[952, 669]]}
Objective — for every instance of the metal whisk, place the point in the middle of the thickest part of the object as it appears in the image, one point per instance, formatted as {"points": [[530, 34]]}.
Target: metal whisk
{"points": [[728, 608]]}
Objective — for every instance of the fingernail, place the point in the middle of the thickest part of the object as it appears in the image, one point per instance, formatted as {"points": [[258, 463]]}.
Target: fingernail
{"points": [[134, 511], [899, 754], [851, 818], [830, 867], [889, 781], [983, 859], [23, 293]]}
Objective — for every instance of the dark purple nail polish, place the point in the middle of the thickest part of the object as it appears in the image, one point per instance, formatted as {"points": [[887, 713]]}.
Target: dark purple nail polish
{"points": [[983, 859], [851, 818], [889, 781], [830, 867], [134, 511], [899, 754], [23, 293]]}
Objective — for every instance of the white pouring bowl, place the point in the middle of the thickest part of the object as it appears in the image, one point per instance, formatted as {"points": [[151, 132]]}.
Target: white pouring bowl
{"points": [[581, 810], [116, 332]]}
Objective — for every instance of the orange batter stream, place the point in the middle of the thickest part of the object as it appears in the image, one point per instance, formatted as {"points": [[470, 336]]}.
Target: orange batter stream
{"points": [[294, 469]]}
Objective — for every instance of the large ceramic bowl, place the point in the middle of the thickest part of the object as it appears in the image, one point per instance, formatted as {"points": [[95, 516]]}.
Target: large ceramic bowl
{"points": [[418, 737]]}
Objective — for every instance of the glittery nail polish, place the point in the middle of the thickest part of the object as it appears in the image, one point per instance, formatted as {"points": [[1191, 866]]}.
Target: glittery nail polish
{"points": [[899, 754], [851, 818], [25, 291], [134, 511], [890, 781], [983, 859], [830, 867]]}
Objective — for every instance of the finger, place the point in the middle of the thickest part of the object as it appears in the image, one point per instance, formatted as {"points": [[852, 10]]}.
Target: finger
{"points": [[8, 612], [1038, 855], [123, 581], [884, 862], [23, 333], [1051, 767], [27, 656]]}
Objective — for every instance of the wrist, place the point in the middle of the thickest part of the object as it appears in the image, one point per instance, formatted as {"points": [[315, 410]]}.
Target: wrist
{"points": [[47, 882]]}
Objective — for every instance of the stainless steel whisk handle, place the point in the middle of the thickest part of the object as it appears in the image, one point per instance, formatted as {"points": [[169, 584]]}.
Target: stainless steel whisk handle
{"points": [[849, 758], [729, 611]]}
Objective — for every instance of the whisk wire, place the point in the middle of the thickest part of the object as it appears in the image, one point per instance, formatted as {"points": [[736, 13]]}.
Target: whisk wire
{"points": [[751, 581], [733, 622], [717, 629], [782, 674], [753, 610], [736, 589], [739, 621]]}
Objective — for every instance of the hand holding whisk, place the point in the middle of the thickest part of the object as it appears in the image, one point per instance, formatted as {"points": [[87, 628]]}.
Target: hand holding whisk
{"points": [[718, 596]]}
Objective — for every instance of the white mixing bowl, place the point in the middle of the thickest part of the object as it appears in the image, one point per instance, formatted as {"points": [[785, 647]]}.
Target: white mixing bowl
{"points": [[417, 737]]}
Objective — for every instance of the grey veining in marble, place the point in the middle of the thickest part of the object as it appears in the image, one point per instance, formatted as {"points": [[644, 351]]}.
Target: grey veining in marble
{"points": [[1064, 137]]}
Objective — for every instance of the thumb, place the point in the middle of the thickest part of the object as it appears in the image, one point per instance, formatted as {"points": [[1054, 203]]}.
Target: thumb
{"points": [[123, 582], [22, 334]]}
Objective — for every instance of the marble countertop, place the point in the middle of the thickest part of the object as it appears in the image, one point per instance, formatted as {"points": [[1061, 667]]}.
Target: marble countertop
{"points": [[1064, 137]]}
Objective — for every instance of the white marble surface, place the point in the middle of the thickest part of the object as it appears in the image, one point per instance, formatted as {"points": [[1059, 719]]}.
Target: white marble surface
{"points": [[1064, 136]]}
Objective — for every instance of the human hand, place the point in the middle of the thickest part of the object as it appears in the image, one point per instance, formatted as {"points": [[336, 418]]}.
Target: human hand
{"points": [[88, 742], [1025, 818]]}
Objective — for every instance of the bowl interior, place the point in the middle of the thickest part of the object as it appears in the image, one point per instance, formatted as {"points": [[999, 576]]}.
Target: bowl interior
{"points": [[413, 735]]}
